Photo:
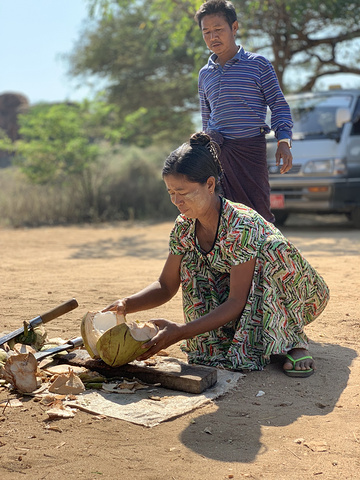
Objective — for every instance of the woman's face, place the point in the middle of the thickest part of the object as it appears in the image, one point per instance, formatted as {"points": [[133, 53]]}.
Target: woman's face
{"points": [[192, 199]]}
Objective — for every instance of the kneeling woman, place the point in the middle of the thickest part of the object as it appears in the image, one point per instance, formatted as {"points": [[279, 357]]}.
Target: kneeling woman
{"points": [[247, 291]]}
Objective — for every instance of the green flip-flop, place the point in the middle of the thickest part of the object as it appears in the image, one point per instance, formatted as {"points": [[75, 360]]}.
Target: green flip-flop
{"points": [[298, 373]]}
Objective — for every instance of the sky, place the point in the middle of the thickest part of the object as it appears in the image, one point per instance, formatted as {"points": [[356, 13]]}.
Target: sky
{"points": [[34, 34]]}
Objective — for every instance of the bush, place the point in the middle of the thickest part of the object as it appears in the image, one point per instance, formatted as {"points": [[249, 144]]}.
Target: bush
{"points": [[122, 186]]}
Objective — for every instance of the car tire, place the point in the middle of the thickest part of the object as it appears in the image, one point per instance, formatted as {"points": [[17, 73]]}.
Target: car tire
{"points": [[280, 217], [355, 217]]}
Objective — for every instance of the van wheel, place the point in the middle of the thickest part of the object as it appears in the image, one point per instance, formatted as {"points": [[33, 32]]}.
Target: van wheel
{"points": [[280, 217], [355, 217]]}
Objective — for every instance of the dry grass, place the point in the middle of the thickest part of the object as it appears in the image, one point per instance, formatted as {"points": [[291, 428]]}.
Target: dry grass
{"points": [[121, 186]]}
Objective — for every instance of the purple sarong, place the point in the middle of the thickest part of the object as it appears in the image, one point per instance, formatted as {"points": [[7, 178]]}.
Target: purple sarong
{"points": [[245, 176]]}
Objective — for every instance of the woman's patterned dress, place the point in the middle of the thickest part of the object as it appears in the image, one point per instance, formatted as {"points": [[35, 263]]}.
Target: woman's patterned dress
{"points": [[285, 295]]}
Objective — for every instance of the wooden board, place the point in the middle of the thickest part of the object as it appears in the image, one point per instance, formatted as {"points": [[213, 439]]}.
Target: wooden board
{"points": [[173, 375]]}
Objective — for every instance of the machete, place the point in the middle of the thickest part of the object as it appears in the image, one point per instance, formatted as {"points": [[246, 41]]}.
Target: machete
{"points": [[70, 345], [43, 318]]}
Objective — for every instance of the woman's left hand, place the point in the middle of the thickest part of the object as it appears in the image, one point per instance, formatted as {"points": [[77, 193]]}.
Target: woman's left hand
{"points": [[168, 334]]}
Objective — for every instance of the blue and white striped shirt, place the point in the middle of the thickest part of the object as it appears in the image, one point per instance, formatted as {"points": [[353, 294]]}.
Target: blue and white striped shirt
{"points": [[234, 98]]}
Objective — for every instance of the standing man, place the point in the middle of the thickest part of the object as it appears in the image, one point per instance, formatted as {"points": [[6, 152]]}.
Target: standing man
{"points": [[235, 89]]}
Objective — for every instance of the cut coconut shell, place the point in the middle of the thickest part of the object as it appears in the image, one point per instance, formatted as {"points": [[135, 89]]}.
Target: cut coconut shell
{"points": [[93, 326]]}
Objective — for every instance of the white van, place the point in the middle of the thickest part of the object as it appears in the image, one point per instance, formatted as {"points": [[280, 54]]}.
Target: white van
{"points": [[325, 177]]}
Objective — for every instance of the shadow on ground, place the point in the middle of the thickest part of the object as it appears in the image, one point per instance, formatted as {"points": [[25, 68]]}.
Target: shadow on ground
{"points": [[127, 246], [286, 399]]}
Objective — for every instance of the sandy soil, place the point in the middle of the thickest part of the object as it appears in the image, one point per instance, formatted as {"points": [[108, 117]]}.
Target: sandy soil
{"points": [[300, 429]]}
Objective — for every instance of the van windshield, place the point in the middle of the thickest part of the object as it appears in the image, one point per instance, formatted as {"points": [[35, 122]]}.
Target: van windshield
{"points": [[315, 115]]}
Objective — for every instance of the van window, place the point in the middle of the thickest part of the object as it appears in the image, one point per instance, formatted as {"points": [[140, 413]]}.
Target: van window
{"points": [[315, 116], [356, 124]]}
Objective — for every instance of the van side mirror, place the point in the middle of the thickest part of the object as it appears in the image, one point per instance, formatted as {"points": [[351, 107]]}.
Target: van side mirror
{"points": [[343, 115]]}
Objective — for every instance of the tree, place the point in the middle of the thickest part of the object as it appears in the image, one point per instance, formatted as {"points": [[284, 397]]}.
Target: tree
{"points": [[53, 144], [60, 142], [149, 53], [149, 76], [306, 40]]}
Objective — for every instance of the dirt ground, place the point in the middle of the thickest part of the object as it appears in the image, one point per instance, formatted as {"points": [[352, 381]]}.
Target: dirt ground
{"points": [[300, 429]]}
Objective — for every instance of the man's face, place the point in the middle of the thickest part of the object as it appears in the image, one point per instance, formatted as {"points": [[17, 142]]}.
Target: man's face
{"points": [[218, 35]]}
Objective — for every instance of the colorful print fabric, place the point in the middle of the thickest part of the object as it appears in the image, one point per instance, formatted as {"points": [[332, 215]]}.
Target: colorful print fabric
{"points": [[286, 292]]}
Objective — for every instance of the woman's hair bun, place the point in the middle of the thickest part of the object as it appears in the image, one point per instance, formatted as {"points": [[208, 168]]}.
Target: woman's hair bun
{"points": [[199, 138]]}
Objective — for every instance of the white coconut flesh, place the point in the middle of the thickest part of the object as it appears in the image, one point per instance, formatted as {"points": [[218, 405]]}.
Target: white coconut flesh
{"points": [[142, 332], [102, 321]]}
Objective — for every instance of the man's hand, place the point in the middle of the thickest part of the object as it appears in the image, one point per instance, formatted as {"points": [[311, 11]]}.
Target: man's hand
{"points": [[283, 152]]}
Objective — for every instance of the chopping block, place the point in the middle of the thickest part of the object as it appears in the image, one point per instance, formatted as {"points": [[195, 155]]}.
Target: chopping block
{"points": [[174, 374]]}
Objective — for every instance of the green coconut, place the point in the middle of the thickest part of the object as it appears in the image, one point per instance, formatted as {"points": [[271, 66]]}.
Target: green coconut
{"points": [[35, 337], [93, 325], [123, 343]]}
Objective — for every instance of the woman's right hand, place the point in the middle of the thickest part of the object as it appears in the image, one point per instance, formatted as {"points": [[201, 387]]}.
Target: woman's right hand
{"points": [[119, 306], [168, 334]]}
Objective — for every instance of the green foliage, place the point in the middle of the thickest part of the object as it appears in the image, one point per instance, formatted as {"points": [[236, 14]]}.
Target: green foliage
{"points": [[125, 185], [61, 143], [131, 185], [68, 167], [145, 54], [305, 40], [55, 142]]}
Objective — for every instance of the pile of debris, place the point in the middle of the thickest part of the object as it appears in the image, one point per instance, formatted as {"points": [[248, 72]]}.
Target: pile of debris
{"points": [[103, 378], [26, 367]]}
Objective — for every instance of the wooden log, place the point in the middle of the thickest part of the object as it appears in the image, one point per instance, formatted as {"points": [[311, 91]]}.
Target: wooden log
{"points": [[172, 374]]}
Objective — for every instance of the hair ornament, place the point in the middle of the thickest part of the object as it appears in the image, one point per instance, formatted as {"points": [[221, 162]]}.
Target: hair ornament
{"points": [[214, 149]]}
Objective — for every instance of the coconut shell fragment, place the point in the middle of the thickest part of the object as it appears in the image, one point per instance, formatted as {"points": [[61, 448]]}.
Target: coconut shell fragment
{"points": [[67, 384], [20, 370], [3, 357]]}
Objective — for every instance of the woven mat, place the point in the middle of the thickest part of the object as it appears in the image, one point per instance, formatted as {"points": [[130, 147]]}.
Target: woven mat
{"points": [[154, 405]]}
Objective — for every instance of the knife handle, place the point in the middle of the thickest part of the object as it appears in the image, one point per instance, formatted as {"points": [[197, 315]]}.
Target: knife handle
{"points": [[76, 342], [59, 310]]}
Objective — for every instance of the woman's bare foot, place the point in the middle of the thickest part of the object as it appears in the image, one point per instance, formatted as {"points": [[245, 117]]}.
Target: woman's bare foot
{"points": [[300, 361]]}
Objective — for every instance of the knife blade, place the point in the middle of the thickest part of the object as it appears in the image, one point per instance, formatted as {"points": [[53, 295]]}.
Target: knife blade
{"points": [[43, 318], [70, 345]]}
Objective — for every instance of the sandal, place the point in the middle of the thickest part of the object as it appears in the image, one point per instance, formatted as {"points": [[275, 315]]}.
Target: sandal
{"points": [[298, 373]]}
